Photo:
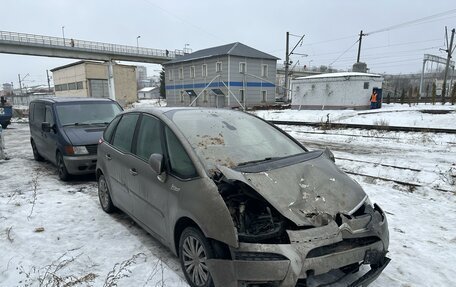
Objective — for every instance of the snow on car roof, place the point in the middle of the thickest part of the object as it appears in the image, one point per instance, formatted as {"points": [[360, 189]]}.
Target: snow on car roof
{"points": [[342, 74]]}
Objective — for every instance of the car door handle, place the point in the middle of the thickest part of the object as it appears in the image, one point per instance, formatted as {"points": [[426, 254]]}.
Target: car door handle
{"points": [[133, 171], [108, 156]]}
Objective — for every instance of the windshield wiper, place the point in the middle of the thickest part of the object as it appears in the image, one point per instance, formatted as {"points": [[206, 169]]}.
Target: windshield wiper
{"points": [[75, 124], [258, 160]]}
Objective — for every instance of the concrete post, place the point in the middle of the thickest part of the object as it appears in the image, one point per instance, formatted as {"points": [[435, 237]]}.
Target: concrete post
{"points": [[111, 86]]}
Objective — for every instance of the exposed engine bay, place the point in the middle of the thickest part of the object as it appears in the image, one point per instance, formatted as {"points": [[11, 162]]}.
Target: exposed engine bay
{"points": [[254, 218]]}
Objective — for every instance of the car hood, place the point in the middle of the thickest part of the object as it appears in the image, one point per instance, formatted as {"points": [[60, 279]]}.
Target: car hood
{"points": [[309, 193], [84, 135]]}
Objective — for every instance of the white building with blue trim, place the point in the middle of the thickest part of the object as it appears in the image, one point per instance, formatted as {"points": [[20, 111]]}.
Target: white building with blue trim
{"points": [[228, 76]]}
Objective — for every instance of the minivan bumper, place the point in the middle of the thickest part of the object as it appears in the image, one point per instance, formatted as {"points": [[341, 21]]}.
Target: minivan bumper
{"points": [[84, 164], [312, 252]]}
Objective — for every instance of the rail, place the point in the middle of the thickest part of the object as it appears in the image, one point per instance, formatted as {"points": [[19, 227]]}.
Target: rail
{"points": [[365, 127], [70, 43]]}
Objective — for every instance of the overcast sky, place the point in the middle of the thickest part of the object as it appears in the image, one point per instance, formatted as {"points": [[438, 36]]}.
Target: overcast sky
{"points": [[331, 27]]}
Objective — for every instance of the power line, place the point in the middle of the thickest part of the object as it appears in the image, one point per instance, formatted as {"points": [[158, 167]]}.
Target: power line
{"points": [[343, 53], [412, 22]]}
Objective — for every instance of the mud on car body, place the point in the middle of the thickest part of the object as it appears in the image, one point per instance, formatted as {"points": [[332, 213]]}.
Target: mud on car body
{"points": [[238, 200]]}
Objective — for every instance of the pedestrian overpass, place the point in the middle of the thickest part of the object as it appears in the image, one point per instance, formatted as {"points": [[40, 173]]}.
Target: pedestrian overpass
{"points": [[60, 47]]}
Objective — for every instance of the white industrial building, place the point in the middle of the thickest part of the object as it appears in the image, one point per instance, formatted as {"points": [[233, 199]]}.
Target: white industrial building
{"points": [[149, 93], [348, 90]]}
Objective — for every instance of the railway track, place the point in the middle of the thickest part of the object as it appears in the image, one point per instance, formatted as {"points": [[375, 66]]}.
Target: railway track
{"points": [[365, 127]]}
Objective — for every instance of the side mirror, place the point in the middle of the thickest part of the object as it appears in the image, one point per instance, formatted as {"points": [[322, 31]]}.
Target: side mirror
{"points": [[329, 154], [156, 163], [46, 127]]}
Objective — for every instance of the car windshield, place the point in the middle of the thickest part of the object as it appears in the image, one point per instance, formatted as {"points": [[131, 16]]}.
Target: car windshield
{"points": [[232, 138], [87, 113]]}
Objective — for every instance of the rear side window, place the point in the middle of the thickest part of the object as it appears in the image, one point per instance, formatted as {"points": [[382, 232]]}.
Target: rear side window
{"points": [[124, 133], [149, 138], [179, 162], [107, 135]]}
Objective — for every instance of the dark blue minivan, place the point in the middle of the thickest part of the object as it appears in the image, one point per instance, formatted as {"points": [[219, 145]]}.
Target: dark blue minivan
{"points": [[65, 131]]}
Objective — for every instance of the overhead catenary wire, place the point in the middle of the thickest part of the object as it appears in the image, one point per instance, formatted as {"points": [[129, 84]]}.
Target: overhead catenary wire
{"points": [[344, 53]]}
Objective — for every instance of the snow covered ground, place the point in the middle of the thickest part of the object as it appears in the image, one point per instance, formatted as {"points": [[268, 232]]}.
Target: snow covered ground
{"points": [[393, 115], [50, 230]]}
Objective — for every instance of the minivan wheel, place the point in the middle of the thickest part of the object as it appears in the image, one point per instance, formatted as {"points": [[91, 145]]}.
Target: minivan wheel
{"points": [[104, 195], [194, 250], [62, 170], [4, 126], [36, 154]]}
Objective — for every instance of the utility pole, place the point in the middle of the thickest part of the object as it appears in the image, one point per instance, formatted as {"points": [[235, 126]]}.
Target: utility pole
{"points": [[49, 81], [287, 63], [359, 46], [287, 60], [449, 52], [20, 83]]}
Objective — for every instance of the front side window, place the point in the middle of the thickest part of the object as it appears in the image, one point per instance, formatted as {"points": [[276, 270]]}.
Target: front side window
{"points": [[107, 135], [48, 116], [180, 163], [124, 133], [149, 138], [39, 113]]}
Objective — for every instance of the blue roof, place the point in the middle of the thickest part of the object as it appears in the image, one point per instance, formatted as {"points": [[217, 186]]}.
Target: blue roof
{"points": [[233, 49]]}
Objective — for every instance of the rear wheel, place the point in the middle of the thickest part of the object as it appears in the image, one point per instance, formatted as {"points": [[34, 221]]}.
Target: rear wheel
{"points": [[62, 170], [194, 250], [4, 126], [104, 195], [36, 154]]}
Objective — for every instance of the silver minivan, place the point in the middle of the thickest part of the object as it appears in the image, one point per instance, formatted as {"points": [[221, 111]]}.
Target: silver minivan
{"points": [[238, 200]]}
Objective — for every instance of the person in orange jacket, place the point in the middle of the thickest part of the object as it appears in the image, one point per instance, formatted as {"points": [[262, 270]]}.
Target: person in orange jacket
{"points": [[373, 100]]}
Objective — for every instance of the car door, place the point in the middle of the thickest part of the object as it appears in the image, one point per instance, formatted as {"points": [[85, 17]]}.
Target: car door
{"points": [[49, 138], [35, 128], [117, 156], [150, 195]]}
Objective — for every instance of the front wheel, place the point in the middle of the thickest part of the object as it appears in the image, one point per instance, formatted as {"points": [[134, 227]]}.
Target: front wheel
{"points": [[194, 250], [62, 170], [4, 126], [104, 195], [36, 154]]}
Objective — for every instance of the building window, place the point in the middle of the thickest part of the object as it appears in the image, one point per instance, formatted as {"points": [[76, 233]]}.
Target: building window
{"points": [[192, 72], [205, 96], [204, 71], [264, 96], [218, 67], [79, 86], [264, 71], [71, 86], [242, 67], [366, 85], [170, 75], [181, 73], [242, 95], [181, 96]]}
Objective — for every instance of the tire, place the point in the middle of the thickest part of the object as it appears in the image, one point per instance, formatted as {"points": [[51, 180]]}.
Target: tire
{"points": [[36, 154], [104, 195], [196, 271], [61, 168], [4, 126]]}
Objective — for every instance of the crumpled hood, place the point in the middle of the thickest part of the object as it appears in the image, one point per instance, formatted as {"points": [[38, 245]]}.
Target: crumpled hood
{"points": [[308, 193], [84, 135]]}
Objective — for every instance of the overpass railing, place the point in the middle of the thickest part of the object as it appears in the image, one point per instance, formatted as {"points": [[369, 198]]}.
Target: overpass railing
{"points": [[68, 43]]}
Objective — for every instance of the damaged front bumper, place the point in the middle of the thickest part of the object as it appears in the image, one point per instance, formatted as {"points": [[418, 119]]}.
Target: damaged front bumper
{"points": [[311, 252]]}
